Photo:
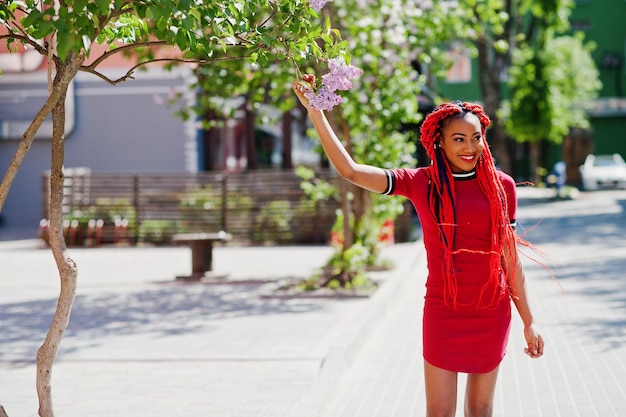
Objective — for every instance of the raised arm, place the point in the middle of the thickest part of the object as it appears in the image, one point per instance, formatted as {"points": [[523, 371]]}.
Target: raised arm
{"points": [[365, 176]]}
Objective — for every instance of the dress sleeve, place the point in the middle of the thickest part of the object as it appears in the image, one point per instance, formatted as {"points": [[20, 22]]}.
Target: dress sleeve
{"points": [[405, 181], [391, 183], [511, 197]]}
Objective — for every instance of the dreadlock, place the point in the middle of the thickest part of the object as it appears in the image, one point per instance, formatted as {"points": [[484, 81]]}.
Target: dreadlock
{"points": [[442, 203]]}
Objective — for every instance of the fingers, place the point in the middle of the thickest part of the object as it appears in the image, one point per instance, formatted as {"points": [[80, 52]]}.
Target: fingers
{"points": [[535, 347], [540, 345], [301, 87], [534, 341], [304, 85]]}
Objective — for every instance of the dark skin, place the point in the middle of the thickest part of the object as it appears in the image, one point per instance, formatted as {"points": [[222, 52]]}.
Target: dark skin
{"points": [[462, 143]]}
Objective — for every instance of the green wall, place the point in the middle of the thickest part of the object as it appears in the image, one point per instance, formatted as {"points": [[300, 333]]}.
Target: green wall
{"points": [[604, 22], [609, 135]]}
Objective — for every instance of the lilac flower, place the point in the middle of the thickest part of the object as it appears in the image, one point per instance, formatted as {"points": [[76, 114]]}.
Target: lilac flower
{"points": [[317, 4], [325, 99], [340, 75], [338, 78]]}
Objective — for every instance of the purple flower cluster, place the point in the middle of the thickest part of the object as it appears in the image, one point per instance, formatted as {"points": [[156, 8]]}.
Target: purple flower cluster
{"points": [[317, 4], [338, 78], [325, 99], [340, 75]]}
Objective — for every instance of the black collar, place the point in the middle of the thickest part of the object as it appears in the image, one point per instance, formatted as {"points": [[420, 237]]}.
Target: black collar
{"points": [[464, 175]]}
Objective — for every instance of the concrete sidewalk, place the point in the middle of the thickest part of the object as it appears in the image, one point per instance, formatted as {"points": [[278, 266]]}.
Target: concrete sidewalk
{"points": [[141, 344], [582, 317]]}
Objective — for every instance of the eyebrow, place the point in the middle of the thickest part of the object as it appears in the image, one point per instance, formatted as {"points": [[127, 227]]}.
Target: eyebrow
{"points": [[478, 132]]}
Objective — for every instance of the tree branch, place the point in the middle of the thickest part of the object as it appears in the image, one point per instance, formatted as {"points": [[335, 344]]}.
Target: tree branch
{"points": [[122, 49], [26, 40], [129, 73], [31, 131]]}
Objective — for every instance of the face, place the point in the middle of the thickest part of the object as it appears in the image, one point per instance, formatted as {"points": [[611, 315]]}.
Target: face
{"points": [[462, 142]]}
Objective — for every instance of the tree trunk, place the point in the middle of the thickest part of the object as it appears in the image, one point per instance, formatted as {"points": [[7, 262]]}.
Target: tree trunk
{"points": [[28, 137], [361, 205], [346, 210], [286, 138], [46, 354], [489, 77], [535, 161], [250, 135]]}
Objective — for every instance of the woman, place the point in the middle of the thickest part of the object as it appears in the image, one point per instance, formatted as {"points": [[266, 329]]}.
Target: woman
{"points": [[467, 211]]}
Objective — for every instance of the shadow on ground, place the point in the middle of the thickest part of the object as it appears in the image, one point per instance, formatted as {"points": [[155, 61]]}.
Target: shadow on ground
{"points": [[162, 310], [594, 266]]}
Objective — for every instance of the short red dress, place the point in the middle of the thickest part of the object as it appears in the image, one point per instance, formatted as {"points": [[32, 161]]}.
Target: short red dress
{"points": [[463, 337]]}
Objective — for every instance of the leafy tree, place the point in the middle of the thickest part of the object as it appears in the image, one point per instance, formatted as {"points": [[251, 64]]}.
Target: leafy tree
{"points": [[552, 88], [493, 30], [386, 39], [202, 32], [489, 30], [383, 39]]}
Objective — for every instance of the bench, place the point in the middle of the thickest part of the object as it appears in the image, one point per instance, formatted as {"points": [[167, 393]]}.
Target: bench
{"points": [[201, 245]]}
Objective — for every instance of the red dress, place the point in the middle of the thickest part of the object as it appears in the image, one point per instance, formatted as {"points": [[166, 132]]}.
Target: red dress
{"points": [[461, 338]]}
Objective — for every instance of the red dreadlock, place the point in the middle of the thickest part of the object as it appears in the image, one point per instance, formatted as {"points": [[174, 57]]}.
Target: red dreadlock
{"points": [[442, 203]]}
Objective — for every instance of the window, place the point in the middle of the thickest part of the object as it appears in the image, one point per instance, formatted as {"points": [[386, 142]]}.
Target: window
{"points": [[461, 69]]}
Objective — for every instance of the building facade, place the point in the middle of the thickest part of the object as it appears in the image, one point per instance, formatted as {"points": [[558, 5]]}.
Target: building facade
{"points": [[129, 127], [602, 21]]}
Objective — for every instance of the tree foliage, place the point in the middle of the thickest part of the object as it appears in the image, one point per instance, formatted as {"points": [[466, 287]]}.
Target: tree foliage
{"points": [[387, 40], [257, 30], [65, 31], [384, 40], [552, 90], [489, 30], [504, 36], [553, 81]]}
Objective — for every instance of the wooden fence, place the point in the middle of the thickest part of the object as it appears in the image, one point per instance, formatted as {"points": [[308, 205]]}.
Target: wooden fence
{"points": [[259, 207]]}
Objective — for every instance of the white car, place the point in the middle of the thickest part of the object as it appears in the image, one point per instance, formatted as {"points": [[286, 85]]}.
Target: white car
{"points": [[603, 171]]}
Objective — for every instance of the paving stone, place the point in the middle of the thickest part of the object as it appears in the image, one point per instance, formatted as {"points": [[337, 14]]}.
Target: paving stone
{"points": [[140, 344]]}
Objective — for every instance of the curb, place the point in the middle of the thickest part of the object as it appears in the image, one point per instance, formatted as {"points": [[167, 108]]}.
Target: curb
{"points": [[358, 329]]}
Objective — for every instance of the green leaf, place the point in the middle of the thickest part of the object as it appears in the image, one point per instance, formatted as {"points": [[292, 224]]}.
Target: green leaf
{"points": [[103, 6], [32, 19], [42, 29], [79, 5], [65, 43]]}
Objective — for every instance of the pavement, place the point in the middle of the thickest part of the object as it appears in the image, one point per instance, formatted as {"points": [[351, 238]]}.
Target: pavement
{"points": [[140, 343]]}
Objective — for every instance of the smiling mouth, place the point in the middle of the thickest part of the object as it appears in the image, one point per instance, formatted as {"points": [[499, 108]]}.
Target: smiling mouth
{"points": [[468, 158]]}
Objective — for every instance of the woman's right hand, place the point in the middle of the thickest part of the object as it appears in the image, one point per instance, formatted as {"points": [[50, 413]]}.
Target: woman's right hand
{"points": [[301, 87]]}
